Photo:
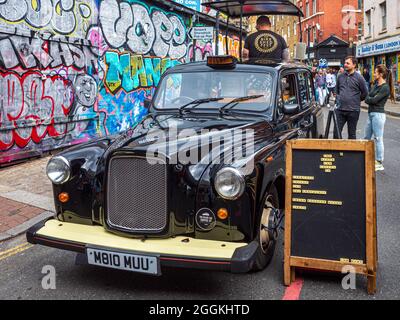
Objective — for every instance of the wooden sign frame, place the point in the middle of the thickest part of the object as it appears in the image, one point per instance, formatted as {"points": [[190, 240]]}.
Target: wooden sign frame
{"points": [[369, 268]]}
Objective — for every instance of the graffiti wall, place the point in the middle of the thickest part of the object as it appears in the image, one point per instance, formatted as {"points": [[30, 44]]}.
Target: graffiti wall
{"points": [[73, 70]]}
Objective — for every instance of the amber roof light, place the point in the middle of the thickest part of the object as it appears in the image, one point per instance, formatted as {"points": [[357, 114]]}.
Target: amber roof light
{"points": [[221, 62]]}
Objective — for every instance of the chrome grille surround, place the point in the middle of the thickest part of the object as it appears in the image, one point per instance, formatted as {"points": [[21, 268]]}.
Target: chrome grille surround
{"points": [[137, 195]]}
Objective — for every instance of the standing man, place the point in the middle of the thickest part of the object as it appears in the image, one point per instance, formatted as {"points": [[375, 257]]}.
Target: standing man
{"points": [[265, 44], [351, 89]]}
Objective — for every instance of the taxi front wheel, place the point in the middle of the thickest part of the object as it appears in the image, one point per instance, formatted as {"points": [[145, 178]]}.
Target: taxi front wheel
{"points": [[265, 237]]}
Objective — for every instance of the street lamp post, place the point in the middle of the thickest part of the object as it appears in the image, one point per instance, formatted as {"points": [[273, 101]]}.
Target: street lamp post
{"points": [[308, 42]]}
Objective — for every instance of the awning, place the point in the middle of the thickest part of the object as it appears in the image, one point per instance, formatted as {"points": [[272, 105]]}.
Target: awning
{"points": [[255, 7]]}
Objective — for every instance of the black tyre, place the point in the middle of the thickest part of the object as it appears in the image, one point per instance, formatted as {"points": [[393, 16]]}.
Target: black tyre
{"points": [[266, 248]]}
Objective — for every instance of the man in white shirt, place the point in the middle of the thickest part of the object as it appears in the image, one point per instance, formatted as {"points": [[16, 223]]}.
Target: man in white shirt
{"points": [[330, 84]]}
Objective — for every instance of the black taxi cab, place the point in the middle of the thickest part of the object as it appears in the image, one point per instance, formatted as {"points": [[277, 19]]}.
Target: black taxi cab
{"points": [[198, 183]]}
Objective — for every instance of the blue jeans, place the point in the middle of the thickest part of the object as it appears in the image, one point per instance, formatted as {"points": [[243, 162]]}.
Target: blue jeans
{"points": [[374, 128]]}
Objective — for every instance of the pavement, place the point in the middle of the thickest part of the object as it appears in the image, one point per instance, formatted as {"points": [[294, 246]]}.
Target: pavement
{"points": [[25, 190], [25, 197]]}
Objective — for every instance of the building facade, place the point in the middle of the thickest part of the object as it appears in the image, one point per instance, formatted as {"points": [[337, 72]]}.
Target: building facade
{"points": [[324, 19], [286, 26], [380, 42]]}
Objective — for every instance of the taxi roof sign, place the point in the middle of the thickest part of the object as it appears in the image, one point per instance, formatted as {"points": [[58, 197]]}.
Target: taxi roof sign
{"points": [[222, 62]]}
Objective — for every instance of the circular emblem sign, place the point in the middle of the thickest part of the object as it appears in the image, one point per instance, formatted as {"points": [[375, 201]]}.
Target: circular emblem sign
{"points": [[266, 43], [205, 219]]}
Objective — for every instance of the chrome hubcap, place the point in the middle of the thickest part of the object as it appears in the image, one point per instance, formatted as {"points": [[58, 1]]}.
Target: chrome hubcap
{"points": [[264, 235]]}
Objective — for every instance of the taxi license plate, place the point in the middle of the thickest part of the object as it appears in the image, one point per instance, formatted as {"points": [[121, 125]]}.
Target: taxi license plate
{"points": [[123, 261]]}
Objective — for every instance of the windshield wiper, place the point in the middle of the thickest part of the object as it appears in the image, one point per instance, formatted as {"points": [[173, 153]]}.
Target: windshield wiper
{"points": [[236, 101], [196, 103]]}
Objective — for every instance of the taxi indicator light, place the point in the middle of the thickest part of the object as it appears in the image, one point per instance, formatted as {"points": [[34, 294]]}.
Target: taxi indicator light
{"points": [[221, 62], [222, 214], [63, 197]]}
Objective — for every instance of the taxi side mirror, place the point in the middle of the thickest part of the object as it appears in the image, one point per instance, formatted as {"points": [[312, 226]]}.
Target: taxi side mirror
{"points": [[290, 108]]}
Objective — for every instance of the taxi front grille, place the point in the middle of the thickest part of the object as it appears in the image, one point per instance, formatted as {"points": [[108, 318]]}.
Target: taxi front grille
{"points": [[136, 195]]}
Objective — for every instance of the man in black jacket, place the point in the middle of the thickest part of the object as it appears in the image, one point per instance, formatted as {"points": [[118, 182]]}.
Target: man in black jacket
{"points": [[351, 89]]}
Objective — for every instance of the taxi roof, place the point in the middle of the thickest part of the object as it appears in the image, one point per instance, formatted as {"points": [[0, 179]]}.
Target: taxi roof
{"points": [[255, 65], [233, 8]]}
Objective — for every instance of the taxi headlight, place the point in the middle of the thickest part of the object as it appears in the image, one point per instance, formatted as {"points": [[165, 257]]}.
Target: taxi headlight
{"points": [[58, 170], [229, 183]]}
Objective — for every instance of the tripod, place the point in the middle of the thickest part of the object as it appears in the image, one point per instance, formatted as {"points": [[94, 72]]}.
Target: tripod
{"points": [[332, 116]]}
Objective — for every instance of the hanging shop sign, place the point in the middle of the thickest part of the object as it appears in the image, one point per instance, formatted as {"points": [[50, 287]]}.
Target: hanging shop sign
{"points": [[192, 4]]}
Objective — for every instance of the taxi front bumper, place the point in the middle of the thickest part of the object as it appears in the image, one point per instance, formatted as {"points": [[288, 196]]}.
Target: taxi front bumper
{"points": [[179, 251]]}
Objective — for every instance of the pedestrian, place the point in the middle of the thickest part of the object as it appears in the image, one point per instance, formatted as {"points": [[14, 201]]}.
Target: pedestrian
{"points": [[315, 85], [367, 77], [331, 84], [351, 89], [341, 70], [265, 44], [320, 81], [376, 100]]}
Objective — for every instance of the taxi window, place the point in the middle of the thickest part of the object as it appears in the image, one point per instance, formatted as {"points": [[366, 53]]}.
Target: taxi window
{"points": [[178, 89], [288, 87], [304, 89], [310, 83]]}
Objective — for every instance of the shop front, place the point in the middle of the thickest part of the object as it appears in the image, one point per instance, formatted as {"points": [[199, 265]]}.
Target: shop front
{"points": [[385, 51]]}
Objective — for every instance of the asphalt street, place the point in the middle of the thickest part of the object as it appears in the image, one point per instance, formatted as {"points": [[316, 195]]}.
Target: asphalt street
{"points": [[21, 268]]}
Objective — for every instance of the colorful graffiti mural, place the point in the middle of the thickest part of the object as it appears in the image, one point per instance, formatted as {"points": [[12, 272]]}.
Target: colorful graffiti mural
{"points": [[139, 42], [51, 17], [48, 76], [73, 70]]}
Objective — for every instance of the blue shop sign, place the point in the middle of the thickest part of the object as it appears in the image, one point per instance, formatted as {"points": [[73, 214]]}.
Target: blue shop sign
{"points": [[192, 4], [379, 47]]}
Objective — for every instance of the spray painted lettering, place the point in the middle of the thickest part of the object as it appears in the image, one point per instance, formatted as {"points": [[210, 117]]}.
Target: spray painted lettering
{"points": [[130, 72], [35, 105], [59, 17], [143, 30]]}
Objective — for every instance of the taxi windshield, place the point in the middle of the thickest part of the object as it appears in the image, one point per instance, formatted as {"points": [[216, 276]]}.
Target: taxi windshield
{"points": [[215, 89]]}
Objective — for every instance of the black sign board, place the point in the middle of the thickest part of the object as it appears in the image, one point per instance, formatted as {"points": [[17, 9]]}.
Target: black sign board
{"points": [[330, 207]]}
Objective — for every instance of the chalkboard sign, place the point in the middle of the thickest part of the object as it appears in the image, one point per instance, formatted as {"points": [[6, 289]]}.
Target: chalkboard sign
{"points": [[330, 211]]}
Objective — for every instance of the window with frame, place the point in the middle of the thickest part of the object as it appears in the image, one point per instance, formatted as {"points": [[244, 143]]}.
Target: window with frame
{"points": [[382, 6], [360, 31], [368, 21], [307, 9], [314, 4], [289, 89]]}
